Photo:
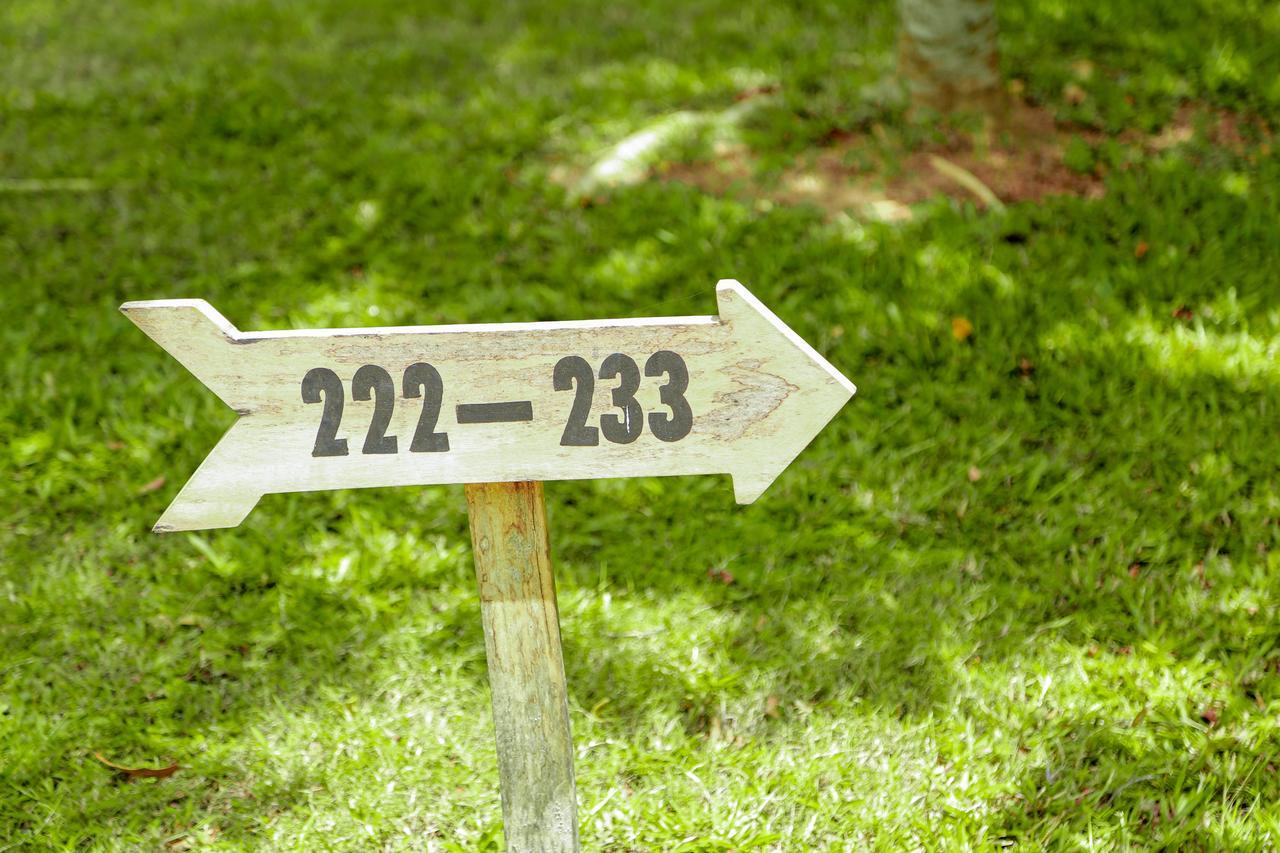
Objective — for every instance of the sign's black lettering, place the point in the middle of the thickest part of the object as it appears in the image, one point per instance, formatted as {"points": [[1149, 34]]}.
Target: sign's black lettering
{"points": [[571, 371], [574, 372], [321, 381], [513, 412], [675, 426], [625, 429], [376, 379], [423, 379]]}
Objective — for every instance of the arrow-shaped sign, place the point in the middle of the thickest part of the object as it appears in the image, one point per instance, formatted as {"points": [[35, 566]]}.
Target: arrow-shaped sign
{"points": [[740, 394]]}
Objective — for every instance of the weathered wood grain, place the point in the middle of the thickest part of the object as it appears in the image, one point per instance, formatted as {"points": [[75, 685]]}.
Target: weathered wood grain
{"points": [[757, 392], [526, 671]]}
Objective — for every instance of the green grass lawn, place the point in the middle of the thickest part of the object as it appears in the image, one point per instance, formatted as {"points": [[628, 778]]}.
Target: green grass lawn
{"points": [[1022, 591]]}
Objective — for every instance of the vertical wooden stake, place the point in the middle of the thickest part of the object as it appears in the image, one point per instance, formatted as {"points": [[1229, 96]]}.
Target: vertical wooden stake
{"points": [[526, 668]]}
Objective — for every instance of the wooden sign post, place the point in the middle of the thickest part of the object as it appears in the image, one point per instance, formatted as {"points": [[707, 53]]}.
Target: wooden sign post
{"points": [[501, 407], [526, 672]]}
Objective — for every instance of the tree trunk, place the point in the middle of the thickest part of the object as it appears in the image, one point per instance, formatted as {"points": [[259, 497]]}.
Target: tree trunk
{"points": [[947, 54]]}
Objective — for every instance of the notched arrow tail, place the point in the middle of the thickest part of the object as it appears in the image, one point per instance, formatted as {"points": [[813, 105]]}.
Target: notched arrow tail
{"points": [[206, 344]]}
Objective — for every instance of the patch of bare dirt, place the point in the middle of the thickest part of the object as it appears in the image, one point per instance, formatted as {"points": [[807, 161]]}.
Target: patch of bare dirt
{"points": [[1239, 134], [1025, 160]]}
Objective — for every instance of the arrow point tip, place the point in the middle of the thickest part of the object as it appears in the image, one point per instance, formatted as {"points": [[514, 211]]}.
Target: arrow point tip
{"points": [[849, 388]]}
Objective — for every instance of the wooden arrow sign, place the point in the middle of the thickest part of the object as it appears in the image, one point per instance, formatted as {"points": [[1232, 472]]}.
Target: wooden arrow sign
{"points": [[737, 394]]}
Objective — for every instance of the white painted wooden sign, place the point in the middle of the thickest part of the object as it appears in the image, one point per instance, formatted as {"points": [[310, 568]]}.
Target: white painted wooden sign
{"points": [[737, 394]]}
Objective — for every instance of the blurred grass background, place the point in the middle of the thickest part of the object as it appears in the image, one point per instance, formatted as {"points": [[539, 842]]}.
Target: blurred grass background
{"points": [[1021, 592]]}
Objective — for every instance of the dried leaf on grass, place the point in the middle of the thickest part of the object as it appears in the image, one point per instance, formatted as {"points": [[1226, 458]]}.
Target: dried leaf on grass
{"points": [[157, 483], [140, 772], [723, 575]]}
